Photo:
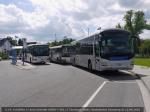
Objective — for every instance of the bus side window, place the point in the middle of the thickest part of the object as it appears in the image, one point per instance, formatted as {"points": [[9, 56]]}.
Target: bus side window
{"points": [[97, 49]]}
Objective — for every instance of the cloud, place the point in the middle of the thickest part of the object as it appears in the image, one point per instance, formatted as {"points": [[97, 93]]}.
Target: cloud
{"points": [[129, 3], [41, 19]]}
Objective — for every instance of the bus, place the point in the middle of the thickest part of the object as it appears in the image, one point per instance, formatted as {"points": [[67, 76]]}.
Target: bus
{"points": [[37, 53], [111, 49], [62, 53]]}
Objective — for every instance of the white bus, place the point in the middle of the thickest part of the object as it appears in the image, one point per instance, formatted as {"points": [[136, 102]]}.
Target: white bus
{"points": [[111, 49], [37, 53], [62, 53]]}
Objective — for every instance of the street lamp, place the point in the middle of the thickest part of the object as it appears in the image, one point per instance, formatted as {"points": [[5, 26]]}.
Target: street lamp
{"points": [[88, 31]]}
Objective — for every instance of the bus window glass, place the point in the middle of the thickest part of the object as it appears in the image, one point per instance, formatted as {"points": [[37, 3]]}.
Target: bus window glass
{"points": [[97, 49]]}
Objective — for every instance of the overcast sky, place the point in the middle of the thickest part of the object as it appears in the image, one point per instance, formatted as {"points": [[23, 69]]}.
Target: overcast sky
{"points": [[40, 20]]}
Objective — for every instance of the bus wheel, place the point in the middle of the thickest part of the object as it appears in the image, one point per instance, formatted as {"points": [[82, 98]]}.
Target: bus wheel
{"points": [[90, 65]]}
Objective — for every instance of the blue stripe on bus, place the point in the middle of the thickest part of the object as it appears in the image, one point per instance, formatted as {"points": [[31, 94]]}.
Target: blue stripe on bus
{"points": [[119, 58]]}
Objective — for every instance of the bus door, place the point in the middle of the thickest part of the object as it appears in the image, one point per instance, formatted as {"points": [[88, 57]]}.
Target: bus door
{"points": [[97, 56]]}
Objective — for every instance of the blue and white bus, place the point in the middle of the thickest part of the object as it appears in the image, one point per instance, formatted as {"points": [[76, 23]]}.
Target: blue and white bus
{"points": [[111, 49]]}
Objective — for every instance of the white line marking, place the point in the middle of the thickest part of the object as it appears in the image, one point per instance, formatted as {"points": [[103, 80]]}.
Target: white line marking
{"points": [[94, 94], [145, 95]]}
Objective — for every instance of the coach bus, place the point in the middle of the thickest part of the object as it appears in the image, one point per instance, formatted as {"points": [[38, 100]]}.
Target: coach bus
{"points": [[37, 53], [62, 53], [111, 49]]}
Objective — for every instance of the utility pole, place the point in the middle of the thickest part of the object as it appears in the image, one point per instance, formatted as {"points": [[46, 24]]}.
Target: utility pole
{"points": [[24, 47], [55, 37], [88, 31]]}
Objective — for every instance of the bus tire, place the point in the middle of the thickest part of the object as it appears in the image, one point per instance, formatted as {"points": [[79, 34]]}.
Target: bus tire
{"points": [[89, 65]]}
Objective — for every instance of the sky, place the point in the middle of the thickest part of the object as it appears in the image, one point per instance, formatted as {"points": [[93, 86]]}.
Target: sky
{"points": [[47, 20]]}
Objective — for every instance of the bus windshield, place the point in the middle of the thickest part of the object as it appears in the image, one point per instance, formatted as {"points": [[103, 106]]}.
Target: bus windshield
{"points": [[116, 45], [68, 50], [40, 50]]}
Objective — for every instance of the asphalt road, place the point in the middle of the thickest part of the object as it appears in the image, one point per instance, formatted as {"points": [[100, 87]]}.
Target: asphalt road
{"points": [[55, 85]]}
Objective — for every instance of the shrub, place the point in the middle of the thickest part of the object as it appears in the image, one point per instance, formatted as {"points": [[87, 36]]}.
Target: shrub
{"points": [[4, 56]]}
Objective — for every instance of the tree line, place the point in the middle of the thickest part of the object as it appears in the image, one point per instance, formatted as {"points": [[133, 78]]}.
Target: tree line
{"points": [[144, 49], [14, 42], [61, 42]]}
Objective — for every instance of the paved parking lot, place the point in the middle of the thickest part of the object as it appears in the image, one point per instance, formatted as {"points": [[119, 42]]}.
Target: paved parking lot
{"points": [[57, 85]]}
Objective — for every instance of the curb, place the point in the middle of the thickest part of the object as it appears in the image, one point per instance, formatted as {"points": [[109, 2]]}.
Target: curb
{"points": [[138, 75], [20, 66]]}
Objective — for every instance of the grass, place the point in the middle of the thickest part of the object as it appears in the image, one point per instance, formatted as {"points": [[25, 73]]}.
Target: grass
{"points": [[142, 61]]}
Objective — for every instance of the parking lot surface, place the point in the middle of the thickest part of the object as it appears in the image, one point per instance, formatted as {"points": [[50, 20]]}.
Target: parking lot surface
{"points": [[55, 85]]}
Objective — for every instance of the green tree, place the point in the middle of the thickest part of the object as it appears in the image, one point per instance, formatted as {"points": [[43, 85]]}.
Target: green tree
{"points": [[12, 41], [145, 48], [20, 42], [135, 22], [119, 26], [62, 42]]}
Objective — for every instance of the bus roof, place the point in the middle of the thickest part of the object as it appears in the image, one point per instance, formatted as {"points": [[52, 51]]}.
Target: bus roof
{"points": [[36, 44], [90, 38], [110, 30], [54, 47], [113, 30], [17, 47]]}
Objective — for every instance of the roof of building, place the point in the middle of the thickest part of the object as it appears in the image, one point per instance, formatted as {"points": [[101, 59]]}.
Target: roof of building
{"points": [[2, 41]]}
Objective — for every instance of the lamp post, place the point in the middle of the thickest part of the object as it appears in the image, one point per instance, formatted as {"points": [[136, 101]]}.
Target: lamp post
{"points": [[88, 31], [24, 47]]}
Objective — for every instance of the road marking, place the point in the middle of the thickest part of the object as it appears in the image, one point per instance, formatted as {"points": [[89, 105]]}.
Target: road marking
{"points": [[145, 95], [94, 94]]}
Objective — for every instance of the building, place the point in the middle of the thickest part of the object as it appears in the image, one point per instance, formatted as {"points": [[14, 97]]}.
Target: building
{"points": [[5, 45]]}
